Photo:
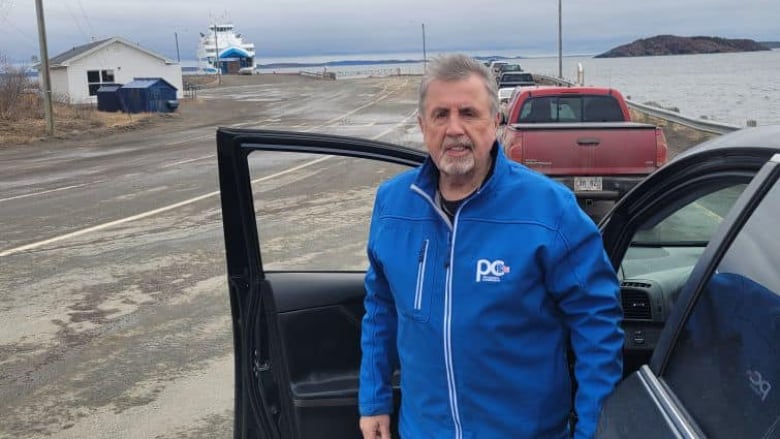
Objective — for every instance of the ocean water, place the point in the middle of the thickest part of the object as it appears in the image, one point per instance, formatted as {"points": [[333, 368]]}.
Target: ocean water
{"points": [[728, 87]]}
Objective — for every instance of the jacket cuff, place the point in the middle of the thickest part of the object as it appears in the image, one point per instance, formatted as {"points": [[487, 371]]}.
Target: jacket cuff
{"points": [[376, 409]]}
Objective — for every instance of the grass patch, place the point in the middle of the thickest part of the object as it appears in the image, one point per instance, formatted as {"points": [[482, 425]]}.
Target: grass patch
{"points": [[22, 113]]}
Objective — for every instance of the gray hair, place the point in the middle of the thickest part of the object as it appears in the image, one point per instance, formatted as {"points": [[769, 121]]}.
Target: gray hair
{"points": [[458, 67]]}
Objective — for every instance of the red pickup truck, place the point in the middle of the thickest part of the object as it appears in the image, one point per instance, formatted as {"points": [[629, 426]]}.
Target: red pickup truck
{"points": [[582, 137]]}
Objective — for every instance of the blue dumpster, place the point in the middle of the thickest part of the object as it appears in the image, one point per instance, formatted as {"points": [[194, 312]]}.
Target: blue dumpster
{"points": [[148, 95], [108, 98]]}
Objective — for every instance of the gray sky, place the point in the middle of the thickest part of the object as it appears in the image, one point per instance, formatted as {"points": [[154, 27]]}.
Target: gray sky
{"points": [[282, 28]]}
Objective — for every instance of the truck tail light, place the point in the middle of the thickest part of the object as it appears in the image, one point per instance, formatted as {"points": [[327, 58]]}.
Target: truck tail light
{"points": [[661, 147], [515, 150]]}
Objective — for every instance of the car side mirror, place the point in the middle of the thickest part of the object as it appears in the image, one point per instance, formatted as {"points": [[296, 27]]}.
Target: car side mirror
{"points": [[502, 118]]}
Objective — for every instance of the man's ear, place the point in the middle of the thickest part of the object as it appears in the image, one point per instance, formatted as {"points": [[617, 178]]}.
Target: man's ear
{"points": [[420, 121]]}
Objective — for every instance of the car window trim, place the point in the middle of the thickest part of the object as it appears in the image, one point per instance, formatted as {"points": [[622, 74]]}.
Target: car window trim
{"points": [[678, 420]]}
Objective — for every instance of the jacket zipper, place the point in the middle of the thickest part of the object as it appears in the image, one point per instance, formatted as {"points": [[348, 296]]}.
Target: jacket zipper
{"points": [[421, 263], [447, 333]]}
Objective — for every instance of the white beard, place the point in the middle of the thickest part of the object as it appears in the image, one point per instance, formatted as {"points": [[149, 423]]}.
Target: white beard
{"points": [[459, 166]]}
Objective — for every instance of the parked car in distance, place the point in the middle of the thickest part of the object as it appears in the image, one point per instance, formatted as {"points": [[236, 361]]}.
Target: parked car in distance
{"points": [[507, 68], [584, 138], [495, 65], [504, 94], [515, 79], [246, 71], [692, 244]]}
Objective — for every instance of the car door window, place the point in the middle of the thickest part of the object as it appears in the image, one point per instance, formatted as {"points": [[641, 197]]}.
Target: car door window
{"points": [[723, 368], [675, 238], [660, 258], [315, 209]]}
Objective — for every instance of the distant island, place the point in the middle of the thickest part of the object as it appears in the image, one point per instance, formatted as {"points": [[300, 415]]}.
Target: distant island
{"points": [[674, 45]]}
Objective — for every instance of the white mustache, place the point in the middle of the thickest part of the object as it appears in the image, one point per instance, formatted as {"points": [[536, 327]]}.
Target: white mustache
{"points": [[451, 142]]}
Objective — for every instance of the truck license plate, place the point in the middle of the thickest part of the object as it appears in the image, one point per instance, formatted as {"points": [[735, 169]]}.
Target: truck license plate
{"points": [[587, 183]]}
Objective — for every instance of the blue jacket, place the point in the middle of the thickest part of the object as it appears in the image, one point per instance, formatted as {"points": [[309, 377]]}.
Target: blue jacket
{"points": [[479, 313]]}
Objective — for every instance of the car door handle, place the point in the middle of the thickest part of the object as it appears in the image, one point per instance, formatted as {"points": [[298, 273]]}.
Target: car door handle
{"points": [[588, 141]]}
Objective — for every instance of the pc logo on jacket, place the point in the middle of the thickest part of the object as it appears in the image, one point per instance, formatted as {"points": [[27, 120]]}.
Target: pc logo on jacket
{"points": [[491, 271]]}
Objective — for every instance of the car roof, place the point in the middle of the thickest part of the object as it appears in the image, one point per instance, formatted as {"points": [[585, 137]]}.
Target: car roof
{"points": [[766, 138], [582, 90]]}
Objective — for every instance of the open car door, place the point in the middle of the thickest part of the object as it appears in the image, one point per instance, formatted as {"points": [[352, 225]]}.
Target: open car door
{"points": [[700, 293], [295, 211]]}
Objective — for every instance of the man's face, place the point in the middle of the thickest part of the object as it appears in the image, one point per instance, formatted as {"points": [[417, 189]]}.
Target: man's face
{"points": [[457, 127]]}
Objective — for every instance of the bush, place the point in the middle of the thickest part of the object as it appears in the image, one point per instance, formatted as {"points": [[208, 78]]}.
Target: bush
{"points": [[18, 95]]}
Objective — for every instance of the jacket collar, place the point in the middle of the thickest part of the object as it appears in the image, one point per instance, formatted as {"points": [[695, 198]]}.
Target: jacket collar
{"points": [[428, 177]]}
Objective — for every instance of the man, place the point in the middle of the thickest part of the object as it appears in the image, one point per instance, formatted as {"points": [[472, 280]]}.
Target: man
{"points": [[482, 273]]}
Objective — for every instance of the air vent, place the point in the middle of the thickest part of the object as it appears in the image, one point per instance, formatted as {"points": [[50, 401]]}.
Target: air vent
{"points": [[636, 305], [635, 284]]}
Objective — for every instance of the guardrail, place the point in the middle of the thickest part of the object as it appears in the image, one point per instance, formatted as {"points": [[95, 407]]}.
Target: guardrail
{"points": [[318, 75], [672, 116]]}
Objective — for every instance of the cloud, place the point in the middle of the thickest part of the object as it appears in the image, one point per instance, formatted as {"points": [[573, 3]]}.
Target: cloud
{"points": [[306, 27]]}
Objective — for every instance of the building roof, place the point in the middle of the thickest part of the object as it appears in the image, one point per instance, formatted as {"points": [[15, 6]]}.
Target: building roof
{"points": [[109, 87], [146, 83], [75, 53]]}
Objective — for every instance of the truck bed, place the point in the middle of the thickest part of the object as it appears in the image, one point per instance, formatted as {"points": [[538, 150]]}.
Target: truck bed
{"points": [[608, 148]]}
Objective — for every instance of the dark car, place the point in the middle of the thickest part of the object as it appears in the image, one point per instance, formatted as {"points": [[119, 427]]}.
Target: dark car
{"points": [[515, 79], [695, 246], [508, 68]]}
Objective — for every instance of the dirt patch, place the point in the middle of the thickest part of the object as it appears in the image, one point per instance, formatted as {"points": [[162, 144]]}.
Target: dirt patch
{"points": [[679, 137], [69, 122]]}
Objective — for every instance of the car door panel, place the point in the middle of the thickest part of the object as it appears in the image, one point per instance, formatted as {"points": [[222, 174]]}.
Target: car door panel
{"points": [[296, 333], [319, 325]]}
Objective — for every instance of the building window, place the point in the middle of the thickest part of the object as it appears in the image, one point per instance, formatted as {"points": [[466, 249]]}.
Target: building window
{"points": [[97, 78]]}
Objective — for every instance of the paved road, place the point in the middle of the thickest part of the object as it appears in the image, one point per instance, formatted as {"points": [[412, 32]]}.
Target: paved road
{"points": [[114, 314]]}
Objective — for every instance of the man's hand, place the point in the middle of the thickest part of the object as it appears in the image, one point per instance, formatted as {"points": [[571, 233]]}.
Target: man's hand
{"points": [[375, 427]]}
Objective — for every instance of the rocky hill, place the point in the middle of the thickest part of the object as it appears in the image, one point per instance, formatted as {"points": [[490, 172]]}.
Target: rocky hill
{"points": [[674, 45]]}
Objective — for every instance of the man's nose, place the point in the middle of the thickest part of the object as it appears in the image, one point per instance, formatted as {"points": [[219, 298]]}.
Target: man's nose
{"points": [[454, 125]]}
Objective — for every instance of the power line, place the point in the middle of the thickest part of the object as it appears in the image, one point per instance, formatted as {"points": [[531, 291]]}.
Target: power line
{"points": [[76, 20], [86, 18]]}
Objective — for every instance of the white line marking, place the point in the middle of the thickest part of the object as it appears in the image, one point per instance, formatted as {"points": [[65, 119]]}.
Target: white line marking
{"points": [[147, 214], [42, 192], [189, 160]]}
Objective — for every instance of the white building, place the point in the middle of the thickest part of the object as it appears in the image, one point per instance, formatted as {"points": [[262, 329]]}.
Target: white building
{"points": [[77, 74]]}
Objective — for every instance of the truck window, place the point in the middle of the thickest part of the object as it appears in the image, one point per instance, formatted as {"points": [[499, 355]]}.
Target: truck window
{"points": [[601, 109], [571, 109], [537, 110]]}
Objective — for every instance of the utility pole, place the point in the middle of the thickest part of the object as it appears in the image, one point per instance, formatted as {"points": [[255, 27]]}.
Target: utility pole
{"points": [[48, 109], [560, 41], [425, 55]]}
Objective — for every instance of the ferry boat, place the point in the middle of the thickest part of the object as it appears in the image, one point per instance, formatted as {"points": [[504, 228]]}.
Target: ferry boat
{"points": [[234, 54]]}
